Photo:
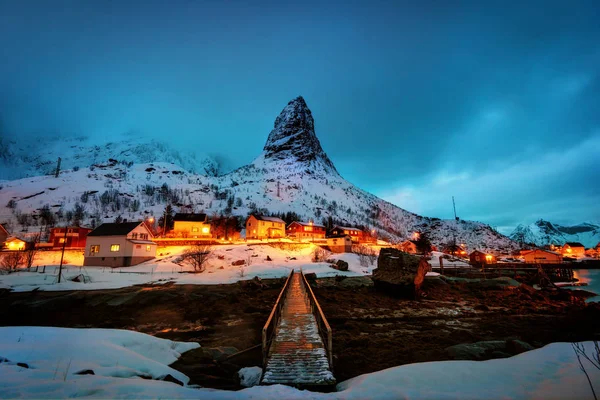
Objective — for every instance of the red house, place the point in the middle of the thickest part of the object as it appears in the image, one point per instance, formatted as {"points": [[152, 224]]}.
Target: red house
{"points": [[357, 234], [305, 231], [75, 237]]}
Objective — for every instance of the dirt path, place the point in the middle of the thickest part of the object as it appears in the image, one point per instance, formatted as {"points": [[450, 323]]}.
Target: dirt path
{"points": [[371, 330]]}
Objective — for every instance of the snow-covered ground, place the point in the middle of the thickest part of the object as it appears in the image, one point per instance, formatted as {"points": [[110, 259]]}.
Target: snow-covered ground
{"points": [[453, 262], [54, 356], [164, 269]]}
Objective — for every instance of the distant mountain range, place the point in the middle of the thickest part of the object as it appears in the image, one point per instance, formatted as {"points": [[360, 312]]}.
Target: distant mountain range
{"points": [[292, 174], [544, 232]]}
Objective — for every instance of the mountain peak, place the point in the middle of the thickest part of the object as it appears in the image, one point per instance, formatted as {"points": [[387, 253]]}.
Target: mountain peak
{"points": [[294, 142]]}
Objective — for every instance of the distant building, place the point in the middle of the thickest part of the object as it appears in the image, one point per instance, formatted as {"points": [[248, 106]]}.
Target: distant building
{"points": [[305, 231], [408, 246], [13, 243], [119, 245], [357, 234], [3, 235], [478, 258], [191, 226], [541, 257], [75, 236], [455, 250], [573, 249], [340, 244], [260, 227]]}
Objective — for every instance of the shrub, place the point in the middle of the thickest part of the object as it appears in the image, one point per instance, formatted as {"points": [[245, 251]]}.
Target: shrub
{"points": [[198, 255]]}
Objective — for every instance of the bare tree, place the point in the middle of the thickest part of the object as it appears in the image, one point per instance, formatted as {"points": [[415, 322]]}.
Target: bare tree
{"points": [[30, 250], [593, 359], [198, 255], [10, 261]]}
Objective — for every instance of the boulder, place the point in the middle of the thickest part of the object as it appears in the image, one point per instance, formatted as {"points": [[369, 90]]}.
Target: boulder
{"points": [[170, 378], [311, 277], [250, 376], [340, 265], [85, 372], [268, 258], [475, 351], [238, 263], [400, 273], [515, 346]]}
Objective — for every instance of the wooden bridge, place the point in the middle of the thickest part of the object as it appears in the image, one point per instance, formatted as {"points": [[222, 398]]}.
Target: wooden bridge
{"points": [[296, 340]]}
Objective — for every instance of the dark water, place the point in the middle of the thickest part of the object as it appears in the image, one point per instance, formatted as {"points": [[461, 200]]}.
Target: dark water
{"points": [[592, 278]]}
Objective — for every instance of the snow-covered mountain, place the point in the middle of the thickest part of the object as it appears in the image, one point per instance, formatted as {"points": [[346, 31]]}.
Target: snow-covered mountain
{"points": [[38, 155], [292, 174], [544, 232]]}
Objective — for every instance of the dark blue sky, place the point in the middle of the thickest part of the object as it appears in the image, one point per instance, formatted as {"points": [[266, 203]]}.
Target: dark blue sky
{"points": [[495, 103]]}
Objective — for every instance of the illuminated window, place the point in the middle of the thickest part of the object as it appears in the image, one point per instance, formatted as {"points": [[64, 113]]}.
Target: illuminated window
{"points": [[61, 240], [134, 235], [195, 229], [148, 247], [94, 249], [115, 247], [205, 229]]}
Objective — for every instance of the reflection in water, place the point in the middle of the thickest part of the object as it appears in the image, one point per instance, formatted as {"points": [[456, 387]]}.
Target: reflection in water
{"points": [[592, 278]]}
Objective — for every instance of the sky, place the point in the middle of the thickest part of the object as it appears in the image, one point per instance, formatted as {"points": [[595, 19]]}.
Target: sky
{"points": [[494, 103]]}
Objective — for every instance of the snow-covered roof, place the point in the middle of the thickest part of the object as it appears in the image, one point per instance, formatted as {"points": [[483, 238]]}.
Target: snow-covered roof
{"points": [[347, 228], [136, 241], [114, 229], [270, 219], [307, 224], [542, 250]]}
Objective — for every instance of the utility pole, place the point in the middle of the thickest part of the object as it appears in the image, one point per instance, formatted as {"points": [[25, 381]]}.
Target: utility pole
{"points": [[57, 168], [63, 253], [164, 223], [454, 205]]}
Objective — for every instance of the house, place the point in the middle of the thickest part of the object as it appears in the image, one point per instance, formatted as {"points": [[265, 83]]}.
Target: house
{"points": [[260, 227], [542, 257], [455, 250], [340, 244], [119, 245], [13, 243], [478, 258], [191, 226], [357, 234], [573, 249], [408, 246], [3, 235], [75, 236], [307, 231]]}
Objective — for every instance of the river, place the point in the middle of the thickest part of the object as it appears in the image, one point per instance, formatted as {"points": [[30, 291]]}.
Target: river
{"points": [[592, 278]]}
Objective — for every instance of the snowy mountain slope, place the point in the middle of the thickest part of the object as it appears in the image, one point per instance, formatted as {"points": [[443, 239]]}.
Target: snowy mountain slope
{"points": [[544, 232], [38, 156], [293, 173]]}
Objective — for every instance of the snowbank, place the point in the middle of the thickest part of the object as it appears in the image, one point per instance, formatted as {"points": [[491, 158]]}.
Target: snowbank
{"points": [[117, 357]]}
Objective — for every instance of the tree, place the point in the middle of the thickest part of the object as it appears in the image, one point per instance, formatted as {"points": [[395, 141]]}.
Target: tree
{"points": [[78, 214], [10, 261], [198, 255], [168, 214], [423, 243]]}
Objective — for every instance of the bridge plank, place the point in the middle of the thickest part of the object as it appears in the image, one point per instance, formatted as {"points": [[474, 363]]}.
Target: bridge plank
{"points": [[297, 355]]}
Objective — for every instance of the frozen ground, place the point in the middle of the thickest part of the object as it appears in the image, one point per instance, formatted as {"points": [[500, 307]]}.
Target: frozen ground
{"points": [[164, 269], [54, 356]]}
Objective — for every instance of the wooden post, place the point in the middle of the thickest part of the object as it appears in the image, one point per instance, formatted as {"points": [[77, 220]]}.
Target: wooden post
{"points": [[441, 265], [63, 253]]}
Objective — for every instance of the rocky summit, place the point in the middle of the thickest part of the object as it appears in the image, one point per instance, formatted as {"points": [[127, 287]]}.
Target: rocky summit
{"points": [[293, 141]]}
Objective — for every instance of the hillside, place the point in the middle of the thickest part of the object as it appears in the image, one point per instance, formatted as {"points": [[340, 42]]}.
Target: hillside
{"points": [[293, 173], [544, 232]]}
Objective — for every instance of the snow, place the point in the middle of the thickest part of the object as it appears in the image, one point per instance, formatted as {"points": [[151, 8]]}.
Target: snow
{"points": [[55, 354], [164, 269], [454, 262]]}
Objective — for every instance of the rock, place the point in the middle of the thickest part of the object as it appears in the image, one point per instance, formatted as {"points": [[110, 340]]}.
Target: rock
{"points": [[238, 263], [221, 257], [340, 265], [85, 372], [499, 354], [268, 258], [22, 365], [515, 346], [356, 281], [475, 351], [400, 273], [250, 376], [311, 277], [170, 378]]}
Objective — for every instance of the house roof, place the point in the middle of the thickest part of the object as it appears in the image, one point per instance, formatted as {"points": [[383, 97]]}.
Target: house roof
{"points": [[201, 217], [478, 252], [347, 228], [72, 227], [270, 219], [542, 250], [574, 244], [114, 229], [137, 241], [14, 238], [3, 229], [307, 224]]}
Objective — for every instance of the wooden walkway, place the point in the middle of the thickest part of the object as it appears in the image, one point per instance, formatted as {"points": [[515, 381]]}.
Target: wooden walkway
{"points": [[297, 355]]}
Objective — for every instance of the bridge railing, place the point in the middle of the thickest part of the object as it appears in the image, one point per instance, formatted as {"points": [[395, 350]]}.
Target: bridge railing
{"points": [[322, 324], [269, 328]]}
